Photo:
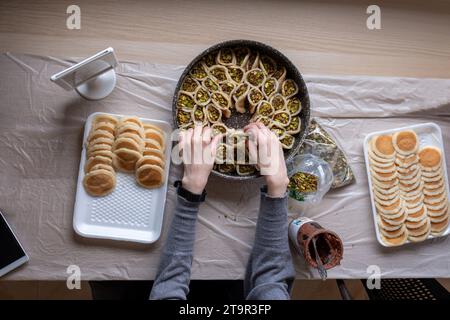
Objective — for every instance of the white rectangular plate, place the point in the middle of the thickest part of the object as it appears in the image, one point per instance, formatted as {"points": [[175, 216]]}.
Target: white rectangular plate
{"points": [[429, 135], [130, 212]]}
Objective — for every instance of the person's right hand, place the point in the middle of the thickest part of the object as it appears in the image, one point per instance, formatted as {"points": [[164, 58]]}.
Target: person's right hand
{"points": [[265, 147]]}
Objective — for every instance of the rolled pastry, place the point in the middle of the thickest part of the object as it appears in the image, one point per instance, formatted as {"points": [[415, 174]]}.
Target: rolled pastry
{"points": [[255, 77], [289, 88], [268, 65], [236, 73], [220, 73], [185, 101], [254, 96], [199, 71], [242, 55], [270, 87], [294, 106], [201, 96], [210, 84], [227, 87], [189, 84], [239, 96], [294, 126], [278, 101], [282, 117], [226, 57], [213, 113]]}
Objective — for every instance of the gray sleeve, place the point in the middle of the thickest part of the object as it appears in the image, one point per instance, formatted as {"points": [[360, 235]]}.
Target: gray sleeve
{"points": [[174, 272], [270, 272]]}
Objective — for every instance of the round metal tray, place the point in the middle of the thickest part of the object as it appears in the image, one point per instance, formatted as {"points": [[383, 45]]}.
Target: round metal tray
{"points": [[240, 120]]}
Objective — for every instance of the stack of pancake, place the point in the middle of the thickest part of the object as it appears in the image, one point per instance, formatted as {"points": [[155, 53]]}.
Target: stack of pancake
{"points": [[127, 145], [402, 193], [100, 178]]}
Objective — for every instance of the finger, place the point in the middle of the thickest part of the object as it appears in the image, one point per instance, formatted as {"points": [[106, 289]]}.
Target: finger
{"points": [[250, 125], [215, 142], [197, 148], [260, 125], [206, 135], [187, 146]]}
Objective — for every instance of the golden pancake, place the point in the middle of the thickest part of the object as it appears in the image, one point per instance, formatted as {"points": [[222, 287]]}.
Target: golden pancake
{"points": [[416, 211], [153, 126], [412, 197], [434, 184], [390, 169], [396, 241], [383, 176], [439, 226], [130, 127], [105, 118], [430, 157], [393, 215], [440, 218], [432, 174], [384, 184], [424, 228], [411, 184], [99, 182], [107, 141], [378, 164], [99, 134], [133, 136], [419, 238], [151, 143], [384, 191], [414, 202], [408, 170], [155, 135], [92, 161], [150, 176], [128, 155], [104, 153], [387, 202], [105, 126], [150, 160], [122, 165], [393, 234], [407, 162], [435, 199], [416, 224], [386, 197], [127, 143], [382, 146], [374, 157], [437, 206], [133, 120], [410, 176], [103, 166], [397, 221], [438, 213], [391, 209], [433, 179], [154, 152], [405, 142], [383, 224], [413, 192]]}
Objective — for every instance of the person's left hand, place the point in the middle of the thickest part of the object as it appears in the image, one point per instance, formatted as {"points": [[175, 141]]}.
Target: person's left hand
{"points": [[199, 149]]}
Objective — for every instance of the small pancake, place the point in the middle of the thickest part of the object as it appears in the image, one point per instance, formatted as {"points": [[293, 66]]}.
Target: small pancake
{"points": [[104, 167], [407, 162], [107, 141], [439, 218], [405, 142], [397, 241], [433, 184], [386, 197], [393, 234], [382, 146], [130, 127], [432, 174], [150, 160], [419, 238], [132, 120], [150, 176], [92, 161], [383, 224], [414, 202], [133, 136], [413, 192], [430, 157], [435, 199], [433, 192], [416, 224], [378, 164], [385, 184], [437, 206], [433, 179], [127, 143], [397, 221], [383, 191], [124, 166], [439, 212], [410, 184], [153, 126], [97, 147], [392, 216], [99, 182], [387, 202], [424, 228], [417, 215], [153, 152], [127, 154], [411, 197], [410, 176], [99, 134], [408, 170], [390, 169], [104, 153], [105, 126], [383, 176], [376, 158], [152, 143], [105, 118], [155, 135], [390, 209], [439, 226]]}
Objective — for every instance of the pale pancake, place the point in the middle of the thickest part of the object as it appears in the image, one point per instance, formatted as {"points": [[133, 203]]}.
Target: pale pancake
{"points": [[153, 152], [405, 142], [99, 182], [376, 158], [150, 176], [430, 157], [437, 206], [155, 135], [439, 218], [419, 238], [413, 196], [383, 176], [384, 184], [435, 199], [408, 185], [439, 212], [127, 143], [392, 216], [386, 197], [407, 162], [150, 160], [382, 146], [105, 126], [397, 241], [383, 224], [92, 161], [390, 209], [417, 215], [384, 191], [153, 126], [124, 166], [133, 136], [98, 147], [439, 226], [132, 120], [105, 118], [99, 134], [380, 164], [104, 153], [132, 128], [416, 224], [413, 192], [432, 174], [387, 202], [103, 166], [433, 192], [434, 179], [390, 169], [397, 221], [393, 234], [422, 230], [151, 143], [408, 170], [107, 141], [414, 202], [434, 184], [415, 174]]}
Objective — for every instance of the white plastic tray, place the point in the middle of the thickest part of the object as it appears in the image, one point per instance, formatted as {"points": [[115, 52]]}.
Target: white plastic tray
{"points": [[130, 212], [429, 135]]}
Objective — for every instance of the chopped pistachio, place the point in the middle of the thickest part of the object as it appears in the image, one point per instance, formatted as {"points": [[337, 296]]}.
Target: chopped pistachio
{"points": [[185, 101]]}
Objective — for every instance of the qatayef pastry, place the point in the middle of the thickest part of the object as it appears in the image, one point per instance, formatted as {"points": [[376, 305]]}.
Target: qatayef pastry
{"points": [[245, 169], [287, 141], [221, 100], [154, 160], [430, 158], [280, 74], [264, 108], [255, 77], [226, 168], [210, 59], [277, 101], [213, 113], [254, 96], [219, 128], [198, 115], [270, 87], [198, 71], [189, 84], [236, 74], [226, 57], [253, 61], [405, 142], [242, 55], [183, 117], [294, 126], [282, 117], [201, 96], [150, 176], [210, 84], [289, 88], [268, 65], [220, 73], [227, 87], [264, 120], [383, 147], [294, 106], [185, 101], [99, 182], [239, 96]]}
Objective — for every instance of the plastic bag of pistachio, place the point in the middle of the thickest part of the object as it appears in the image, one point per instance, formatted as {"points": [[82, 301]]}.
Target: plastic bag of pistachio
{"points": [[319, 143]]}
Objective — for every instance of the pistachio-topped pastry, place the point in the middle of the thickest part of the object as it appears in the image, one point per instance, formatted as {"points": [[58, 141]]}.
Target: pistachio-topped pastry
{"points": [[189, 84], [239, 80], [269, 87], [294, 106], [210, 84], [201, 96], [198, 71], [220, 73], [278, 101], [255, 77], [226, 57], [289, 88], [185, 101]]}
